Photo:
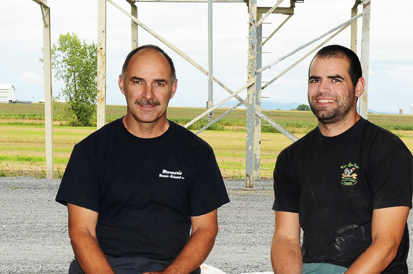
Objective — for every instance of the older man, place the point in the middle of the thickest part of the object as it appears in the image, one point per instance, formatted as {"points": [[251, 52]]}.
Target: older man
{"points": [[142, 192]]}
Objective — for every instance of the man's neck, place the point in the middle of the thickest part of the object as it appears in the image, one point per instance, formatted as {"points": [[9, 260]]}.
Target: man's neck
{"points": [[339, 127], [145, 130]]}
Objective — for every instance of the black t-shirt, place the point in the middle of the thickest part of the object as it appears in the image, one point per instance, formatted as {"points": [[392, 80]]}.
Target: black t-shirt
{"points": [[335, 183], [145, 190]]}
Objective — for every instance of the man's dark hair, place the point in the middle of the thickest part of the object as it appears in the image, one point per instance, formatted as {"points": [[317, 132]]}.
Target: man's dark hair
{"points": [[152, 47], [337, 51]]}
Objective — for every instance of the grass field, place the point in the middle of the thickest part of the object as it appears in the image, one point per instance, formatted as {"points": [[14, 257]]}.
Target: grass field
{"points": [[22, 137]]}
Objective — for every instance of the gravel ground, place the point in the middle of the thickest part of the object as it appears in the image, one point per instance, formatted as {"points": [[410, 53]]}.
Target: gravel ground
{"points": [[33, 228]]}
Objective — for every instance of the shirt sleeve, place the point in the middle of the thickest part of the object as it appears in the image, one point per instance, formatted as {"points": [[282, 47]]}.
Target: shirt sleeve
{"points": [[80, 182], [208, 190], [392, 179], [286, 191]]}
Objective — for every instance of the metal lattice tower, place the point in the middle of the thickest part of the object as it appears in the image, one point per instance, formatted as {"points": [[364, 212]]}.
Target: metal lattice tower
{"points": [[257, 16]]}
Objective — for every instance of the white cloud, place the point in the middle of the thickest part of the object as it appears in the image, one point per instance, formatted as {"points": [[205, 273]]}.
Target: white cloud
{"points": [[30, 77]]}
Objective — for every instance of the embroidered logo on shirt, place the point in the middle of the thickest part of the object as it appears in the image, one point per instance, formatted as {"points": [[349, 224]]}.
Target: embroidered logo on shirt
{"points": [[349, 176], [171, 174]]}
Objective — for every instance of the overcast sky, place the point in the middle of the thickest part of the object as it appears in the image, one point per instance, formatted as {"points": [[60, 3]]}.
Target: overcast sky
{"points": [[390, 85]]}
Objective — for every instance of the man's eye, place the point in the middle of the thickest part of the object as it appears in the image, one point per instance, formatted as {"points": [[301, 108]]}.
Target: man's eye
{"points": [[336, 80], [137, 82], [159, 84]]}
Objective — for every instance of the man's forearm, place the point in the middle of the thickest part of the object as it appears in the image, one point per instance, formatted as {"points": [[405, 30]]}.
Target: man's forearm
{"points": [[194, 253], [286, 257], [375, 259], [89, 255], [388, 227]]}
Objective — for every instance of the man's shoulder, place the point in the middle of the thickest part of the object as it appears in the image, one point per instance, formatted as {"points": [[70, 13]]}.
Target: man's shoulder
{"points": [[101, 135], [187, 137], [303, 142], [375, 135], [181, 129]]}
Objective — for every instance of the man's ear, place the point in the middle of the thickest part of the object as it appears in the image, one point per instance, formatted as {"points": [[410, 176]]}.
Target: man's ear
{"points": [[359, 88], [174, 87], [120, 83]]}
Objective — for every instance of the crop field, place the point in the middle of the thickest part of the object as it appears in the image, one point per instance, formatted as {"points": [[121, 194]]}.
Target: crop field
{"points": [[22, 137]]}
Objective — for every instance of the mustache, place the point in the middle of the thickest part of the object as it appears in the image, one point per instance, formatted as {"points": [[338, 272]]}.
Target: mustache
{"points": [[146, 102]]}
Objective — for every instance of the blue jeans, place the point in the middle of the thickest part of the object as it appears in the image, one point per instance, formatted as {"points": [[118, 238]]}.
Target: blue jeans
{"points": [[129, 265], [322, 268]]}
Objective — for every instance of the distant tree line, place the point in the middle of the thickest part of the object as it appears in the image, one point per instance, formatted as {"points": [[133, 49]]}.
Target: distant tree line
{"points": [[303, 107]]}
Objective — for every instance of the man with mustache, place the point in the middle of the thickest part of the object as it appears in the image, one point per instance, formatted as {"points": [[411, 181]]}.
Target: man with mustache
{"points": [[142, 192], [347, 184]]}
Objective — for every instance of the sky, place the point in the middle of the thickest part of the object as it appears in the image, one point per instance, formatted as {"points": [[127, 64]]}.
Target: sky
{"points": [[185, 25]]}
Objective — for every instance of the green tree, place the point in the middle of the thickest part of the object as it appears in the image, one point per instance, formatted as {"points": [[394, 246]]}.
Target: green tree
{"points": [[303, 107], [75, 63]]}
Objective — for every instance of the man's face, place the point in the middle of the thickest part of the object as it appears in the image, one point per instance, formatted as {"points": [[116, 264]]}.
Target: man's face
{"points": [[331, 93], [147, 86]]}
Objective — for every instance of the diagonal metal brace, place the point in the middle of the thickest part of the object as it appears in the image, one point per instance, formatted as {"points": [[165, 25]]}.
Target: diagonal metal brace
{"points": [[275, 125], [45, 10]]}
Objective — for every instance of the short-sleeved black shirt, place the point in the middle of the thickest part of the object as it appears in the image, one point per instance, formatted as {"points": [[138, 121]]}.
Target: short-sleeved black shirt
{"points": [[145, 190], [335, 183]]}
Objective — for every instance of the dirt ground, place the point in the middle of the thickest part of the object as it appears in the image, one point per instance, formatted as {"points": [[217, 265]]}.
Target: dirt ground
{"points": [[33, 228]]}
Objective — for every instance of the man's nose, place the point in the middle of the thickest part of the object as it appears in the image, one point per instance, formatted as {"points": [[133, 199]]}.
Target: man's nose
{"points": [[324, 86], [148, 93]]}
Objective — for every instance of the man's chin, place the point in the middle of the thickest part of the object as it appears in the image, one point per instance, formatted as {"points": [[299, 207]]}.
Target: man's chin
{"points": [[147, 117], [147, 120], [328, 120], [326, 117]]}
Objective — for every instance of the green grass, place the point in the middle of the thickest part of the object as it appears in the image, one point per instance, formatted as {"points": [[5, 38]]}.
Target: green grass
{"points": [[22, 138], [24, 149], [34, 149], [31, 159], [294, 121]]}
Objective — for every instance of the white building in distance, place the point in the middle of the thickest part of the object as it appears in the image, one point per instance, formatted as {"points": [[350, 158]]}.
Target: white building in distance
{"points": [[7, 93]]}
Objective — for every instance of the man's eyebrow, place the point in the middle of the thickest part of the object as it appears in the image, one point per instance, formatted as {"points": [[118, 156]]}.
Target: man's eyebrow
{"points": [[330, 77], [336, 76], [134, 78], [160, 80], [314, 78]]}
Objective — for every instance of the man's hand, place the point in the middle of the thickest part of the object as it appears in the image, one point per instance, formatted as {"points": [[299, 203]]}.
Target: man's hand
{"points": [[286, 255], [82, 233]]}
